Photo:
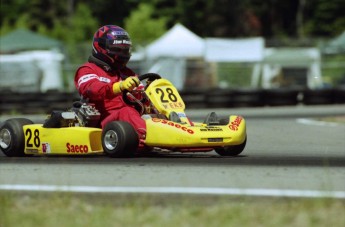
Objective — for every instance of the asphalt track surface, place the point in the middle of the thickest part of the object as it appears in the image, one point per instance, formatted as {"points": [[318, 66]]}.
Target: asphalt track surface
{"points": [[287, 153]]}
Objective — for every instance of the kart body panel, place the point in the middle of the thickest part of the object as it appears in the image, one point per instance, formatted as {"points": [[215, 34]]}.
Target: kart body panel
{"points": [[167, 134], [65, 141], [166, 99]]}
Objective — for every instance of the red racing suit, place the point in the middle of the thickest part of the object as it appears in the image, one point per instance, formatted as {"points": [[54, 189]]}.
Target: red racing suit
{"points": [[96, 85]]}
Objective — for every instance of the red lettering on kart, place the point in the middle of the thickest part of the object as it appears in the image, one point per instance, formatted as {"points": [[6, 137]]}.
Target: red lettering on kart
{"points": [[76, 148], [235, 124], [173, 124]]}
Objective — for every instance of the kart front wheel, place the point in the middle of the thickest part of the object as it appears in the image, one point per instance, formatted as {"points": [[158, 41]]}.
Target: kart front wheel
{"points": [[12, 139], [231, 150], [119, 139]]}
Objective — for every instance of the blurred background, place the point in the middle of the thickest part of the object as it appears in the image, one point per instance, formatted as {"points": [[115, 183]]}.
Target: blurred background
{"points": [[221, 53]]}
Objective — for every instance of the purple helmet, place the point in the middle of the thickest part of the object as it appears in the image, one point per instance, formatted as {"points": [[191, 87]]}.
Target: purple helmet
{"points": [[112, 45]]}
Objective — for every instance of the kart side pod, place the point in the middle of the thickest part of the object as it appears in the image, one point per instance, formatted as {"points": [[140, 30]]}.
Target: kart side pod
{"points": [[69, 140]]}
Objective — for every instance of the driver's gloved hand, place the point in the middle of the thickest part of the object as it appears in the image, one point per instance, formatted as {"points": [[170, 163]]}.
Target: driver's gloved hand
{"points": [[128, 84]]}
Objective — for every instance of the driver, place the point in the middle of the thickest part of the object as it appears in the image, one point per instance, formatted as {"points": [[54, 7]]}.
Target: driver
{"points": [[105, 76]]}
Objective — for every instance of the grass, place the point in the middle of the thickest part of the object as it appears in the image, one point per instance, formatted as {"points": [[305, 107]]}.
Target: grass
{"points": [[68, 209]]}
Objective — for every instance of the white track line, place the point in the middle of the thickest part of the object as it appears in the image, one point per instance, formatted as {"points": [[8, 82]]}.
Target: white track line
{"points": [[178, 190], [316, 122]]}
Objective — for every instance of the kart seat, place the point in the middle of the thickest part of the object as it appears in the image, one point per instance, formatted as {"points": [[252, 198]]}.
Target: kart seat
{"points": [[54, 121], [211, 119]]}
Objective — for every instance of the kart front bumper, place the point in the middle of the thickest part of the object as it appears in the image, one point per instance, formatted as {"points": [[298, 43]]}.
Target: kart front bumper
{"points": [[166, 134]]}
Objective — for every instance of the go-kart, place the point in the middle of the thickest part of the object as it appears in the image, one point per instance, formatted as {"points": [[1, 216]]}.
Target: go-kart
{"points": [[168, 128]]}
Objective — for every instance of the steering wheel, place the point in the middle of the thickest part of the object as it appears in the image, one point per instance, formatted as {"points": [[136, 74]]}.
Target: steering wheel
{"points": [[150, 76], [137, 103]]}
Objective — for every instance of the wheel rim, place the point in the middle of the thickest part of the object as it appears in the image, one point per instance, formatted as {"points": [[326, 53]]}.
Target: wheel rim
{"points": [[5, 138], [111, 140]]}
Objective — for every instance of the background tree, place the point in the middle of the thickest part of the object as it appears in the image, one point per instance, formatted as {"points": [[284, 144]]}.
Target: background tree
{"points": [[142, 27], [325, 18], [221, 18]]}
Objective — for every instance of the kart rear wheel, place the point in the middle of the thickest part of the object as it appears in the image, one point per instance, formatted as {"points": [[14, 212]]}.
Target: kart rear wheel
{"points": [[231, 150], [12, 139], [119, 139]]}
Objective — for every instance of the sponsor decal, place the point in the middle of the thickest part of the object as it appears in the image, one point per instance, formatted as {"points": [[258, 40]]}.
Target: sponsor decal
{"points": [[86, 78], [104, 79], [31, 150], [215, 140], [119, 33], [72, 148], [236, 123], [45, 147], [181, 114], [122, 42], [89, 77], [173, 105], [173, 124], [211, 129]]}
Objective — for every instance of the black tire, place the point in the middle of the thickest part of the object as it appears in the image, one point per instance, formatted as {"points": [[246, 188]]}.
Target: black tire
{"points": [[319, 97], [231, 150], [339, 94], [219, 98], [12, 139], [248, 98], [281, 97], [119, 139]]}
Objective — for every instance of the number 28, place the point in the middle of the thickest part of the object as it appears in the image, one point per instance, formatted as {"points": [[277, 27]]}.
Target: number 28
{"points": [[35, 138], [167, 95]]}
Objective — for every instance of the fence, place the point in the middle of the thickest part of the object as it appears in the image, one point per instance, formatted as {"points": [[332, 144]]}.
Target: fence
{"points": [[44, 103]]}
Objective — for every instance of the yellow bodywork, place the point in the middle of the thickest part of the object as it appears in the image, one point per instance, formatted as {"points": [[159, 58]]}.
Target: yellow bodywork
{"points": [[65, 141], [166, 99], [164, 133]]}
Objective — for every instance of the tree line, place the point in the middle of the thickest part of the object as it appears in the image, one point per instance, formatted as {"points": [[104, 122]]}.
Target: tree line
{"points": [[74, 21]]}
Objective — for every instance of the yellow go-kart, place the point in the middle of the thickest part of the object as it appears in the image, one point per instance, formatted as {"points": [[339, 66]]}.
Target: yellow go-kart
{"points": [[168, 128]]}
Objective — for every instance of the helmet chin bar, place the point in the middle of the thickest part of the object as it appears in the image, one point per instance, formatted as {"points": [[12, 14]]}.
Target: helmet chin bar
{"points": [[119, 60], [108, 61], [116, 61]]}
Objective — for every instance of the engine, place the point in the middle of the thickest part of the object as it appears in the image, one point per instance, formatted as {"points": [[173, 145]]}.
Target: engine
{"points": [[82, 114], [88, 115]]}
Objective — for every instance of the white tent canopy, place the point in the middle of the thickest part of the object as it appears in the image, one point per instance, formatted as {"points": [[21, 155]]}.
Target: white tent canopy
{"points": [[167, 55], [177, 42], [46, 62], [336, 45], [248, 50], [234, 50]]}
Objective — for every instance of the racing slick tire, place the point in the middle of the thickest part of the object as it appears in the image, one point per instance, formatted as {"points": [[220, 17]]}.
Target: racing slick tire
{"points": [[119, 139], [12, 139], [231, 150]]}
